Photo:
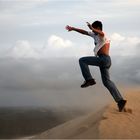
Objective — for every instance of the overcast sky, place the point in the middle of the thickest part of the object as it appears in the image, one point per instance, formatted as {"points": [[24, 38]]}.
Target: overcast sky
{"points": [[36, 28], [33, 37]]}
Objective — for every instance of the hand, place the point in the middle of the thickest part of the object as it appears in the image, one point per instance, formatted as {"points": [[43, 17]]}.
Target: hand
{"points": [[89, 25], [69, 28]]}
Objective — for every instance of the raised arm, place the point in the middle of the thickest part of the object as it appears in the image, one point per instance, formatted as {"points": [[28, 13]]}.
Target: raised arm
{"points": [[70, 28], [95, 30]]}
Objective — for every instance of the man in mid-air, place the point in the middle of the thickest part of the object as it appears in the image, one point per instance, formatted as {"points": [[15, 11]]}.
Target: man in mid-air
{"points": [[101, 59]]}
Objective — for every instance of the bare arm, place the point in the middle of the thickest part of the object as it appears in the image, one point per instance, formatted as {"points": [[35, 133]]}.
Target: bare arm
{"points": [[95, 30], [69, 28]]}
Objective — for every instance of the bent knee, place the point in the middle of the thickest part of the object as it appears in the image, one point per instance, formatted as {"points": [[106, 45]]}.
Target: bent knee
{"points": [[81, 59]]}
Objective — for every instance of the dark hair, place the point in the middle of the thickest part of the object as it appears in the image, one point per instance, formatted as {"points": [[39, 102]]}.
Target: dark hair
{"points": [[97, 24]]}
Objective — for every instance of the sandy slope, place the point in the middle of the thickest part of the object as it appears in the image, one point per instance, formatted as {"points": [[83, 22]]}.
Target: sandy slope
{"points": [[82, 127], [107, 123], [125, 124]]}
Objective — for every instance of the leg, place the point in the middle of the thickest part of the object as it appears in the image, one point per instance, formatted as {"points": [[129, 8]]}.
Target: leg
{"points": [[110, 85], [84, 62]]}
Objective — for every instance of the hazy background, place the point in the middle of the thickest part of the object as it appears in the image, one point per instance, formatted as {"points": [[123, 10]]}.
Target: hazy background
{"points": [[39, 58]]}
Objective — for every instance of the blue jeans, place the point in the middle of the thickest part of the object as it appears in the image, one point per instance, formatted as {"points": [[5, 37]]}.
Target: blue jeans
{"points": [[104, 63]]}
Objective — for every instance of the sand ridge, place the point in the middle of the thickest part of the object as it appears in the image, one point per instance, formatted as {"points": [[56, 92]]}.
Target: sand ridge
{"points": [[105, 124], [82, 127], [123, 125]]}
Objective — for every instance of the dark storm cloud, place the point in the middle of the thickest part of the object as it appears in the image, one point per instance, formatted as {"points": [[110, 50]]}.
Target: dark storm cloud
{"points": [[30, 82], [56, 82], [126, 70], [29, 73]]}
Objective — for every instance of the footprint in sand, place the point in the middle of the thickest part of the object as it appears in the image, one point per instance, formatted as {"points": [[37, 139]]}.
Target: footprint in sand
{"points": [[83, 128], [104, 118], [129, 110]]}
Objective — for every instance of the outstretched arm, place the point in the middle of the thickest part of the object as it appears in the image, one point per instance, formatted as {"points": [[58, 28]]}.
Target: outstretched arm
{"points": [[95, 30], [70, 28]]}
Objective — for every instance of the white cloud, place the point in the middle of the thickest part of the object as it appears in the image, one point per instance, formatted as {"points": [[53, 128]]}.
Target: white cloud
{"points": [[58, 42], [124, 45], [22, 49], [55, 47], [117, 37], [58, 47]]}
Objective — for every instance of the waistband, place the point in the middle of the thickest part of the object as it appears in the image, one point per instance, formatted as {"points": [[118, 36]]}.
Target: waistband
{"points": [[100, 55]]}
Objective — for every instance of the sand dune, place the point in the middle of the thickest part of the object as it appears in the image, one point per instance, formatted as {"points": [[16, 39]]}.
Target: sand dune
{"points": [[124, 124], [82, 127], [107, 123]]}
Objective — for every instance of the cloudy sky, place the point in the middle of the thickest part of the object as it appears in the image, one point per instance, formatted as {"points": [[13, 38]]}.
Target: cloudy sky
{"points": [[37, 54]]}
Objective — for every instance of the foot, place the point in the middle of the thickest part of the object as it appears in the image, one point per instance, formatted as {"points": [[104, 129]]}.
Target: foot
{"points": [[88, 83], [121, 105]]}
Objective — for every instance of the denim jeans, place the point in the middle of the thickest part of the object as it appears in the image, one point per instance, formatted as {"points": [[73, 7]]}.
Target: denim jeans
{"points": [[104, 63]]}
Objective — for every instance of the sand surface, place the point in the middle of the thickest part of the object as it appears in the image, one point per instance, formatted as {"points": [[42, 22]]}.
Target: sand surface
{"points": [[106, 123]]}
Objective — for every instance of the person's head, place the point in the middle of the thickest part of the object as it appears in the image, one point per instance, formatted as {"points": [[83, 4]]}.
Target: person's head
{"points": [[97, 24]]}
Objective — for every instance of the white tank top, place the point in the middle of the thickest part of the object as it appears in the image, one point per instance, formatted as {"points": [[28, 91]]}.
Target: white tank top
{"points": [[98, 41]]}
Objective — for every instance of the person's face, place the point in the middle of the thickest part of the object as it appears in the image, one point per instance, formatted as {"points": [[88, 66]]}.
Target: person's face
{"points": [[98, 28]]}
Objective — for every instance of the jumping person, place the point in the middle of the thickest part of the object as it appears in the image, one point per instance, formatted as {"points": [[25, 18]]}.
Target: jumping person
{"points": [[101, 59]]}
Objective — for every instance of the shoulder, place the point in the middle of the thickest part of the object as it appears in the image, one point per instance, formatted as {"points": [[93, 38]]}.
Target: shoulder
{"points": [[92, 34]]}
